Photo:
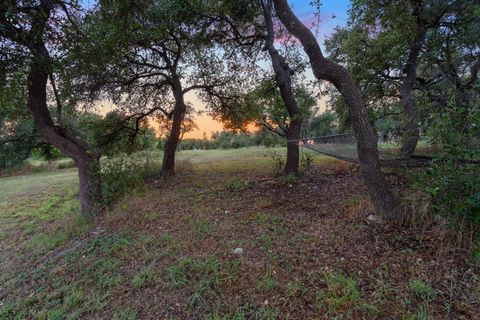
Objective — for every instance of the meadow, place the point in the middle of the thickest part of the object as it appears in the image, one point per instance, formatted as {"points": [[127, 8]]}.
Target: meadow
{"points": [[227, 238]]}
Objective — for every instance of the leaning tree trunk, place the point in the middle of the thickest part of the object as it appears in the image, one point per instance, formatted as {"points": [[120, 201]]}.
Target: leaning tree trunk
{"points": [[87, 161], [170, 148], [367, 149], [411, 129], [283, 78]]}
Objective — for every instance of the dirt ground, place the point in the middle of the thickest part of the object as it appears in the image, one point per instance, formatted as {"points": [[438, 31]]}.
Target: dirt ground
{"points": [[304, 250]]}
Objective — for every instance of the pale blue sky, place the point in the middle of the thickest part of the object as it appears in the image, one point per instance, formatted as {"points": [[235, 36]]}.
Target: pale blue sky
{"points": [[332, 13]]}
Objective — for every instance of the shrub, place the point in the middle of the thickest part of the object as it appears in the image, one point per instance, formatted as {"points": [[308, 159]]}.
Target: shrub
{"points": [[306, 161], [121, 175], [453, 180]]}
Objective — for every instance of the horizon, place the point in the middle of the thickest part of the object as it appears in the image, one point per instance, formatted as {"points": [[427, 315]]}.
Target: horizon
{"points": [[332, 14]]}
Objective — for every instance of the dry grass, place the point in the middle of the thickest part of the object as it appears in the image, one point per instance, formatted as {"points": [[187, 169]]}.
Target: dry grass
{"points": [[309, 253]]}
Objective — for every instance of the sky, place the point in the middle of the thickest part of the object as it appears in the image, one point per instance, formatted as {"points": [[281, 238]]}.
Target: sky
{"points": [[332, 13]]}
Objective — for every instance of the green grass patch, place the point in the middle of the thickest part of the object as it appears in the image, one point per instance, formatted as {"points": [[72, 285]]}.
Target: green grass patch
{"points": [[144, 277], [422, 290], [295, 288], [341, 296], [68, 228], [268, 282], [203, 277], [201, 227], [110, 244], [265, 241], [126, 314], [235, 184], [30, 227]]}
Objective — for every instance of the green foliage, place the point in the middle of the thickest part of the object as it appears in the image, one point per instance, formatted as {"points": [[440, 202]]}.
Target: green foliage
{"points": [[17, 139], [264, 105], [323, 124], [113, 133], [306, 161], [121, 175], [277, 159], [453, 183]]}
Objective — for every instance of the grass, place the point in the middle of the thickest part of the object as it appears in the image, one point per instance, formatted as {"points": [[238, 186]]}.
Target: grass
{"points": [[144, 277], [204, 278], [268, 282], [341, 296], [422, 290], [237, 184], [167, 252]]}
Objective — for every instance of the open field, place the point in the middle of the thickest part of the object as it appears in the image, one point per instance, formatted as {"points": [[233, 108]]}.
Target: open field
{"points": [[166, 252]]}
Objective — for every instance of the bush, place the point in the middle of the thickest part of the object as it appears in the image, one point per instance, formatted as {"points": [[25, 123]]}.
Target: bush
{"points": [[453, 180], [454, 190], [121, 175]]}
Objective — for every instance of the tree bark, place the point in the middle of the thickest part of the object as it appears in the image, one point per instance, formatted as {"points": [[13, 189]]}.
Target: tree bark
{"points": [[411, 130], [283, 78], [170, 148], [87, 160], [367, 149]]}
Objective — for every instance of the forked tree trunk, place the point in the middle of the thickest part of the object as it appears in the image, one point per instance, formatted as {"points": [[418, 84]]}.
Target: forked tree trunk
{"points": [[283, 78], [87, 161], [323, 69], [170, 149]]}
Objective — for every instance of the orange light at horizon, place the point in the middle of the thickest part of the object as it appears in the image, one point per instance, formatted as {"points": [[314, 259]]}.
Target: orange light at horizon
{"points": [[206, 125]]}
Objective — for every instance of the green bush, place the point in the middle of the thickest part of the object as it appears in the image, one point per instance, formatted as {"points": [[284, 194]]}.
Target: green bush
{"points": [[122, 175], [453, 180]]}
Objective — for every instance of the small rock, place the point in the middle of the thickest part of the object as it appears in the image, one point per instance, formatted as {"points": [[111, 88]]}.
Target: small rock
{"points": [[238, 251], [374, 218]]}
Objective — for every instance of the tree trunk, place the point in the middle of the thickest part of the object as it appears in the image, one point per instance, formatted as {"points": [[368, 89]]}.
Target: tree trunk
{"points": [[87, 161], [411, 130], [367, 149], [89, 183], [283, 78], [170, 148]]}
